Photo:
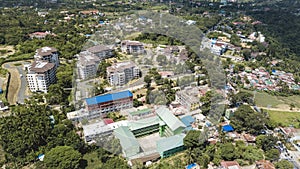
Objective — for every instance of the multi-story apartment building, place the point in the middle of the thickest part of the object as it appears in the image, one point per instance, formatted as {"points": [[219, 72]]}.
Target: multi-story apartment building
{"points": [[102, 51], [121, 73], [49, 54], [40, 75], [189, 98], [132, 47], [110, 102], [87, 64]]}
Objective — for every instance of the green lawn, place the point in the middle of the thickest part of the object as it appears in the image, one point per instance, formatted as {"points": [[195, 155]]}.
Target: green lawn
{"points": [[285, 118], [92, 160]]}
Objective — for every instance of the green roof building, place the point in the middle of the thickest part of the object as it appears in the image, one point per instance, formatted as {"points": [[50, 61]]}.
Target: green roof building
{"points": [[170, 145], [146, 126], [129, 143], [173, 124]]}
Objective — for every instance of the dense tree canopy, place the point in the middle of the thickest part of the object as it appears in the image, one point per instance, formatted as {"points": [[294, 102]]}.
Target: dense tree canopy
{"points": [[284, 164], [246, 119], [31, 131], [63, 157]]}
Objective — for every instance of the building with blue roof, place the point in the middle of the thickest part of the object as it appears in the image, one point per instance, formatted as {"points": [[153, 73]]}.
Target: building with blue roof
{"points": [[110, 102], [188, 121]]}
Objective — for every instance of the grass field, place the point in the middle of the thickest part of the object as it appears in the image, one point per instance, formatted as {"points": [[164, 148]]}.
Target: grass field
{"points": [[285, 118], [263, 99]]}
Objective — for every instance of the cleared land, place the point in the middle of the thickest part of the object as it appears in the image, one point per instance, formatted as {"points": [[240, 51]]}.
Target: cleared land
{"points": [[13, 86], [284, 118]]}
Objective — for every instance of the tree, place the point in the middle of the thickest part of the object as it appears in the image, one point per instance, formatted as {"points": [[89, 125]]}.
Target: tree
{"points": [[246, 119], [192, 139], [266, 142], [272, 154], [242, 97], [147, 80], [235, 40], [115, 162], [63, 157], [228, 152], [284, 164], [161, 59]]}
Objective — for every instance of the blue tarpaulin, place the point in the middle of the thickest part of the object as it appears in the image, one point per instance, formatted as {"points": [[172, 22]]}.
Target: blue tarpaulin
{"points": [[227, 128]]}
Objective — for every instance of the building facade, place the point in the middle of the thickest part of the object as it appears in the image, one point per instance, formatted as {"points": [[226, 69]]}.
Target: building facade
{"points": [[121, 73], [132, 47], [40, 75], [106, 103], [87, 65]]}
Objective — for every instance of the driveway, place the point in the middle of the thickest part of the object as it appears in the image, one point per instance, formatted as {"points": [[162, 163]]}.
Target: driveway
{"points": [[17, 72]]}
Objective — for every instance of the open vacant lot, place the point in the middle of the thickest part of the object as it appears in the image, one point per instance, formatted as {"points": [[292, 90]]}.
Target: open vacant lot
{"points": [[285, 118]]}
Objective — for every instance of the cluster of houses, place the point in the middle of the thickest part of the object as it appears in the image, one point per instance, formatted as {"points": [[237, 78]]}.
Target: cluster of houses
{"points": [[263, 80]]}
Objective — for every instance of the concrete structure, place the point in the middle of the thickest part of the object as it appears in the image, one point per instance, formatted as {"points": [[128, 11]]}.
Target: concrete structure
{"points": [[87, 65], [106, 103], [189, 98], [129, 144], [122, 72], [132, 47], [99, 129], [170, 145], [40, 75], [173, 124], [102, 51], [49, 54]]}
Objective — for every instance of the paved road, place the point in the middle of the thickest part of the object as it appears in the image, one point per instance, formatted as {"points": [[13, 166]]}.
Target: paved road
{"points": [[22, 90]]}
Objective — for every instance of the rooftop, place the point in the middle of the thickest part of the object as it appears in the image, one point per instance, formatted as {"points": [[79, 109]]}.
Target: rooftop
{"points": [[108, 97], [41, 66], [98, 48], [87, 58], [169, 118], [134, 125], [126, 137], [187, 120], [45, 51], [140, 112], [131, 43], [170, 143], [121, 66], [95, 128]]}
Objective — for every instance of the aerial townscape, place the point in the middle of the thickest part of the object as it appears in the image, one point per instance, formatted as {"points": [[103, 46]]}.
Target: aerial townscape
{"points": [[150, 84]]}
